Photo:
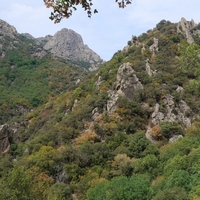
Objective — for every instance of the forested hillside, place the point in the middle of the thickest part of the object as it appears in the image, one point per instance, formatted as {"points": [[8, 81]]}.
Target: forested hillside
{"points": [[129, 130]]}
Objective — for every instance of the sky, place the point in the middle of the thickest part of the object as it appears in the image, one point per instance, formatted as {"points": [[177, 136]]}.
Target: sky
{"points": [[105, 32]]}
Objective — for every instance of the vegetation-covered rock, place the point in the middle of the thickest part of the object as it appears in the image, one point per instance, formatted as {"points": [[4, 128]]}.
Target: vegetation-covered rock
{"points": [[121, 132]]}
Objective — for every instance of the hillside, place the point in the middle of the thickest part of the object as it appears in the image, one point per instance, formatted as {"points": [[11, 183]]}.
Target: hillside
{"points": [[30, 74], [129, 130]]}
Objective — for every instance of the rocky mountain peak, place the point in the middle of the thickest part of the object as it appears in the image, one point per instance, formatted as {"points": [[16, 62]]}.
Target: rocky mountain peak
{"points": [[6, 29], [66, 44], [69, 45]]}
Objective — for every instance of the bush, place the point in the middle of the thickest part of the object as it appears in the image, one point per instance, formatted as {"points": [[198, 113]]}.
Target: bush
{"points": [[171, 194]]}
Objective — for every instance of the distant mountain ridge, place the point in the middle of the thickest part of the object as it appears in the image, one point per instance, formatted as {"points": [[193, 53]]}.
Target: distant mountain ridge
{"points": [[66, 44]]}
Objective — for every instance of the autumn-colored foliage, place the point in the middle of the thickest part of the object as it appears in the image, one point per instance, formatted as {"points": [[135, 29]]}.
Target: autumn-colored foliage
{"points": [[64, 9]]}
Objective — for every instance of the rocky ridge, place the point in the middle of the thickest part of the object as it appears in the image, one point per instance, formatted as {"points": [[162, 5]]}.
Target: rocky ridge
{"points": [[185, 27], [7, 30], [65, 43], [69, 45]]}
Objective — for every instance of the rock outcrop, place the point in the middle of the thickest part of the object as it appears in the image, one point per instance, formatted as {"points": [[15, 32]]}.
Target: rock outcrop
{"points": [[154, 47], [69, 45], [185, 28], [7, 30], [9, 134], [149, 71], [133, 42], [180, 90], [126, 84], [98, 82], [4, 139], [175, 138], [170, 111], [65, 43], [173, 112]]}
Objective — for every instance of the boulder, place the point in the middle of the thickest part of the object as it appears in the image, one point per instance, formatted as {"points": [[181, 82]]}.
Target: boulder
{"points": [[174, 138]]}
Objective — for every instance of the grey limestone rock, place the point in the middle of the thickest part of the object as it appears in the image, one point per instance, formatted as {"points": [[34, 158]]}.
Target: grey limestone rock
{"points": [[126, 84], [111, 103], [69, 45], [8, 135], [180, 90], [149, 71], [4, 139], [98, 82], [154, 47], [185, 28], [174, 138], [29, 36], [95, 113], [7, 30], [174, 112]]}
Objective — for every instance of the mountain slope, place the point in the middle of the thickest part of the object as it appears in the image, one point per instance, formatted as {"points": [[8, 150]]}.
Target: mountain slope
{"points": [[29, 75], [127, 131]]}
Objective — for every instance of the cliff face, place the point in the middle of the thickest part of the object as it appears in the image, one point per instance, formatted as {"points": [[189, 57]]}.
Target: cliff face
{"points": [[69, 45], [6, 29], [185, 27]]}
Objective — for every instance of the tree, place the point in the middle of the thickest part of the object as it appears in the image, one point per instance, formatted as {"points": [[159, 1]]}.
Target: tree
{"points": [[172, 194], [19, 183], [189, 59], [60, 191], [64, 8], [122, 164], [178, 178], [122, 188]]}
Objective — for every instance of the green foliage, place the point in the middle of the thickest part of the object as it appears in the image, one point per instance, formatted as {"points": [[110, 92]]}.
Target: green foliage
{"points": [[189, 60], [172, 194], [138, 143], [44, 159], [71, 149], [5, 164], [176, 163], [148, 164], [123, 165], [60, 191], [137, 187], [28, 82], [179, 178], [168, 129]]}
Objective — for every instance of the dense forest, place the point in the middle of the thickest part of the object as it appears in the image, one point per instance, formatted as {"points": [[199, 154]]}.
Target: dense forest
{"points": [[128, 131]]}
